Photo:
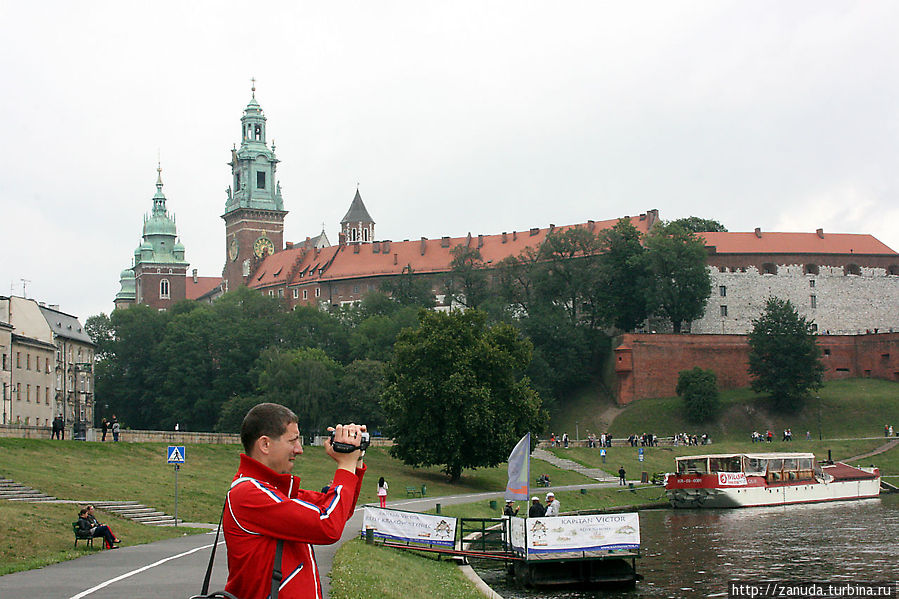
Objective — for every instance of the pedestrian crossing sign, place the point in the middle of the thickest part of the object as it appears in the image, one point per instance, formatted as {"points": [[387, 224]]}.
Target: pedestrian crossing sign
{"points": [[176, 454]]}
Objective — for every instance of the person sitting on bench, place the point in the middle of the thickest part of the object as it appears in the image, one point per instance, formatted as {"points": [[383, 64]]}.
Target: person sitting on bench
{"points": [[94, 522], [84, 524]]}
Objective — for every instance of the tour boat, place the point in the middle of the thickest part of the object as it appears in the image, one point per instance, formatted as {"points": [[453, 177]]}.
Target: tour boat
{"points": [[730, 480]]}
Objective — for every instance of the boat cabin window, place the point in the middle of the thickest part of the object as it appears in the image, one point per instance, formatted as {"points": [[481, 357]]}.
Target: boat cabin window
{"points": [[754, 466], [699, 465], [725, 464]]}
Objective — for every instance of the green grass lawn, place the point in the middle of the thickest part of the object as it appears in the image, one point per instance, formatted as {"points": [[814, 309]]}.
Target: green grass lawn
{"points": [[37, 534], [661, 459], [86, 471], [375, 572]]}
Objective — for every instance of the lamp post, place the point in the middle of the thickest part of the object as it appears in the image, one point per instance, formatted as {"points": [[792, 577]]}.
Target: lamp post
{"points": [[819, 417]]}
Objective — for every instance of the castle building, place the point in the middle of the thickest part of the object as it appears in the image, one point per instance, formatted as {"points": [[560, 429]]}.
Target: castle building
{"points": [[846, 283]]}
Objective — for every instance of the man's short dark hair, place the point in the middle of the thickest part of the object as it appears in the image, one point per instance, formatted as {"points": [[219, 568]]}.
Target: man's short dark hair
{"points": [[83, 511], [265, 420]]}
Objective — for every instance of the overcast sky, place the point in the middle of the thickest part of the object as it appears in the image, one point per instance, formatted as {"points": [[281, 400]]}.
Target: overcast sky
{"points": [[453, 117]]}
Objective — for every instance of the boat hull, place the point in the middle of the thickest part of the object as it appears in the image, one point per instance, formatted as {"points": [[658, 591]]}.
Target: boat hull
{"points": [[762, 495]]}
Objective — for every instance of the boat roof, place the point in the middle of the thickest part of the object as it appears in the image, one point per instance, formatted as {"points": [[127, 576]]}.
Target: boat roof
{"points": [[757, 456]]}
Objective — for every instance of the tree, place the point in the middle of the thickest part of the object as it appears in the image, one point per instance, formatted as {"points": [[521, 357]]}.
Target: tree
{"points": [[699, 389], [694, 224], [681, 283], [467, 281], [569, 276], [359, 396], [784, 357], [624, 277], [454, 395], [409, 289], [304, 380]]}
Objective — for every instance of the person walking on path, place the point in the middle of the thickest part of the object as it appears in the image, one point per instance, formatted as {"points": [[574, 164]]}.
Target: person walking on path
{"points": [[105, 426], [382, 491], [265, 505], [57, 428], [621, 480], [114, 425]]}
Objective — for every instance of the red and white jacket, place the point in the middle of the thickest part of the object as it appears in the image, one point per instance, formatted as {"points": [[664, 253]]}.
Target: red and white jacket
{"points": [[264, 506]]}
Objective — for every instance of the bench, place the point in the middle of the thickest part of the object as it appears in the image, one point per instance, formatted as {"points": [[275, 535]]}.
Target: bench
{"points": [[413, 492], [541, 482], [82, 535]]}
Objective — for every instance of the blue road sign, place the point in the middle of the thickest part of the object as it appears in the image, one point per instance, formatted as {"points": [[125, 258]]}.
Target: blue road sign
{"points": [[176, 454]]}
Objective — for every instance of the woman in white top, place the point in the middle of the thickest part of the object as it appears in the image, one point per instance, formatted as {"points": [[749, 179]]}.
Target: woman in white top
{"points": [[382, 491]]}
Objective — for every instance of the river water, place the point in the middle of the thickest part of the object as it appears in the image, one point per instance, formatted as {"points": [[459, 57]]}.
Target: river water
{"points": [[694, 553]]}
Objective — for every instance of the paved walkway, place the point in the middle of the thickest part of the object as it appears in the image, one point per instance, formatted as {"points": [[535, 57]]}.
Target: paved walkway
{"points": [[882, 449], [566, 464]]}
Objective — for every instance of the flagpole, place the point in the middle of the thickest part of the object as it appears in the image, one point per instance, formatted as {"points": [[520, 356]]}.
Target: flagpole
{"points": [[528, 499]]}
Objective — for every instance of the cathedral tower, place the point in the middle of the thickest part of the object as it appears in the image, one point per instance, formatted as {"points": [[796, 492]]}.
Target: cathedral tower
{"points": [[254, 210], [357, 226], [158, 275]]}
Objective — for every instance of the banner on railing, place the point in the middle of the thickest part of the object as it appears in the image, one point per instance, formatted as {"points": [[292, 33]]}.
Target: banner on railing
{"points": [[599, 532], [411, 527]]}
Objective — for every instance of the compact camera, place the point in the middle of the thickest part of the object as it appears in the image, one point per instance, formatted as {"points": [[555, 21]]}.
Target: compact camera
{"points": [[347, 448]]}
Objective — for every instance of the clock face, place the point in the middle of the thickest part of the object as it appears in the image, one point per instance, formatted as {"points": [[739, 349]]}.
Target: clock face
{"points": [[233, 249], [263, 246]]}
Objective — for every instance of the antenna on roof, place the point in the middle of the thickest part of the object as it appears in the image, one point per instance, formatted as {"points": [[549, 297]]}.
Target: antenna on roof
{"points": [[24, 283]]}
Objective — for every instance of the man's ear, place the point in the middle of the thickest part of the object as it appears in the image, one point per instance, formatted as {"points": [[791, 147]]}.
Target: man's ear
{"points": [[263, 445]]}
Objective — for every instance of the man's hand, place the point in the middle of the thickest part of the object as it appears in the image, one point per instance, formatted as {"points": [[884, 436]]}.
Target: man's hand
{"points": [[350, 434]]}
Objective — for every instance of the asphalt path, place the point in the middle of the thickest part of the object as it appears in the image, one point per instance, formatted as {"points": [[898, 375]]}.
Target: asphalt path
{"points": [[174, 568]]}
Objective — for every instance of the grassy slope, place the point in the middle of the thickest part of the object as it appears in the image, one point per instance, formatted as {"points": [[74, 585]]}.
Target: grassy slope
{"points": [[137, 471], [48, 526], [849, 408]]}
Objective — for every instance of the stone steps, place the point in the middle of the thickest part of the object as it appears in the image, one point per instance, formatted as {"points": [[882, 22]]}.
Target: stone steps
{"points": [[13, 491], [594, 473]]}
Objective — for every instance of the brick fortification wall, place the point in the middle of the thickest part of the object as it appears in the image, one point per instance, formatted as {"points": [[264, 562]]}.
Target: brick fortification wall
{"points": [[647, 365]]}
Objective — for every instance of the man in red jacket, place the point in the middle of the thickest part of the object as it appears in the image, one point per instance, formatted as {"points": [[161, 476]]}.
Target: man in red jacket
{"points": [[265, 504]]}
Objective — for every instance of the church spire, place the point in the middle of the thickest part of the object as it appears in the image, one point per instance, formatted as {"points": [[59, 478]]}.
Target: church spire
{"points": [[159, 197]]}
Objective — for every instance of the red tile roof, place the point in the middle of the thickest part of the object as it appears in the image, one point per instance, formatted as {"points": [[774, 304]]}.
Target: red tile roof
{"points": [[203, 286], [391, 257], [795, 243]]}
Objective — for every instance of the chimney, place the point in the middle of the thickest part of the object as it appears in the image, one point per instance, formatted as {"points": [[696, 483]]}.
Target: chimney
{"points": [[643, 216], [819, 233], [552, 227], [480, 241], [590, 225], [444, 241], [514, 235], [356, 247], [758, 232], [308, 242], [317, 252], [341, 238], [468, 240], [288, 245], [534, 231], [424, 245], [195, 275], [505, 237]]}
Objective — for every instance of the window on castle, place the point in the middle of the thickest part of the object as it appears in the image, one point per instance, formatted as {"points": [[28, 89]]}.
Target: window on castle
{"points": [[813, 301], [27, 361], [164, 289], [811, 284], [18, 359], [296, 293], [280, 293], [811, 269], [722, 290], [365, 236], [769, 269], [305, 294], [271, 293], [853, 269], [260, 179], [318, 292], [723, 311], [893, 270], [258, 131], [354, 235]]}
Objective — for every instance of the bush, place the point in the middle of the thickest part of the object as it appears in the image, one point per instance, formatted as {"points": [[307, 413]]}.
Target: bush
{"points": [[699, 388]]}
